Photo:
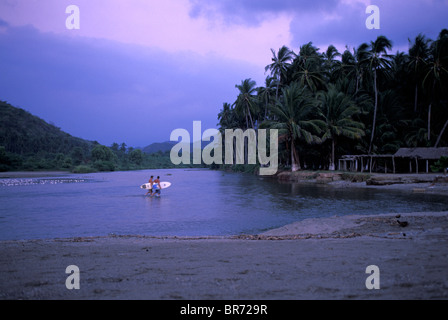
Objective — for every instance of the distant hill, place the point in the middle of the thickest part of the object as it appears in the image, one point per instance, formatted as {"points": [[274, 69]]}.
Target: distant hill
{"points": [[159, 146], [166, 146], [29, 143], [23, 133]]}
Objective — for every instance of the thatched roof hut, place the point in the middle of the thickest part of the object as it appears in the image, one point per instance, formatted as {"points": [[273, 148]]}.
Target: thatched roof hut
{"points": [[422, 153], [413, 155]]}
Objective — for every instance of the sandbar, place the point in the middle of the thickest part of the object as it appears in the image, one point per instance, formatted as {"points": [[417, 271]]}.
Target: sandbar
{"points": [[313, 259]]}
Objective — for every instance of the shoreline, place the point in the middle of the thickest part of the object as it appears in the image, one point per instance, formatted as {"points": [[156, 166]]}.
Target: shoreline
{"points": [[324, 258], [429, 183]]}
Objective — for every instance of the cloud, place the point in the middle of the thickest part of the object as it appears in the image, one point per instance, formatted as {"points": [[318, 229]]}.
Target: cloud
{"points": [[399, 20], [113, 92], [337, 22], [163, 24], [253, 12]]}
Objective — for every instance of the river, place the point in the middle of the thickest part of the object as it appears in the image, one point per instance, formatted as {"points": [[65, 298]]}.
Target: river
{"points": [[200, 202]]}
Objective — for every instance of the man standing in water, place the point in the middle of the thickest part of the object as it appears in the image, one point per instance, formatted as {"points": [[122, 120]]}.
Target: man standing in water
{"points": [[156, 187], [150, 189]]}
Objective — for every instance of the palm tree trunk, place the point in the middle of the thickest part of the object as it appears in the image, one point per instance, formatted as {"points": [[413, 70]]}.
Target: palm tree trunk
{"points": [[266, 111], [374, 112], [332, 166], [429, 110], [429, 121], [295, 164], [277, 87], [441, 134], [416, 98], [357, 84], [250, 117]]}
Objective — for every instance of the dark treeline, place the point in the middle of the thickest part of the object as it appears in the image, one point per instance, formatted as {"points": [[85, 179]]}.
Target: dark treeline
{"points": [[29, 143], [361, 101]]}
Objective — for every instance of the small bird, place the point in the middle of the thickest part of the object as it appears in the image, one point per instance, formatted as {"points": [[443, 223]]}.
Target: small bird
{"points": [[402, 223]]}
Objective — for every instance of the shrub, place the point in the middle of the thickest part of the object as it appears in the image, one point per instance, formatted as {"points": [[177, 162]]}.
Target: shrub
{"points": [[83, 169], [440, 165], [102, 165]]}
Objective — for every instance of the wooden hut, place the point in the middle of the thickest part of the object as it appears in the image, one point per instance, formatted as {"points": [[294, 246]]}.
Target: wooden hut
{"points": [[414, 156]]}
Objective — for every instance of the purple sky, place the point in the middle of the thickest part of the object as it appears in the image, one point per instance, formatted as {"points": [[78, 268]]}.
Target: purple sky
{"points": [[138, 69]]}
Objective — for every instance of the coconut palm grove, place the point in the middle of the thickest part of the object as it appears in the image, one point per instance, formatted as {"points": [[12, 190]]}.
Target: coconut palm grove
{"points": [[365, 100]]}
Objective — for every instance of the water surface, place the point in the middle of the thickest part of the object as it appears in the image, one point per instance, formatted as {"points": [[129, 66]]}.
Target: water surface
{"points": [[199, 203]]}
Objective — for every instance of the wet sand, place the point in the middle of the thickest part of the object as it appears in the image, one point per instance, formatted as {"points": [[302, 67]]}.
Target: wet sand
{"points": [[312, 259]]}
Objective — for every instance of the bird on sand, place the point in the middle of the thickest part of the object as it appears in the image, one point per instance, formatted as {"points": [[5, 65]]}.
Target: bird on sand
{"points": [[402, 223]]}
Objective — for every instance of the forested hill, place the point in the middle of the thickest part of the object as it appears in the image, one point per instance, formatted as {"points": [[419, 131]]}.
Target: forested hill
{"points": [[29, 143], [23, 133]]}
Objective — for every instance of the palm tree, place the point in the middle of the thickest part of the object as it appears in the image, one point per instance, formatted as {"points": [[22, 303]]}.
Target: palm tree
{"points": [[337, 110], [331, 64], [391, 115], [279, 65], [308, 51], [418, 54], [294, 114], [310, 75], [307, 68], [352, 65], [437, 72], [416, 132], [345, 69], [246, 102], [377, 59], [265, 93], [227, 117]]}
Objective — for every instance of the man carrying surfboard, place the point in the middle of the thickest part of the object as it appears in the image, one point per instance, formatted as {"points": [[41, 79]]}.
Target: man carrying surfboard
{"points": [[150, 189], [156, 187]]}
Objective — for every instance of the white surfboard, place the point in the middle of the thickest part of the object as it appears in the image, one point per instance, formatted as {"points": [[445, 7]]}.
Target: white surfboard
{"points": [[164, 185]]}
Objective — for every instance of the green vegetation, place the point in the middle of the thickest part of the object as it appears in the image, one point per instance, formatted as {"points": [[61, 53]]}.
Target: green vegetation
{"points": [[440, 165], [363, 101], [29, 143]]}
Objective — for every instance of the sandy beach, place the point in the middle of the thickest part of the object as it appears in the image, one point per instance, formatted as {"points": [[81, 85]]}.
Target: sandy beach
{"points": [[312, 259]]}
